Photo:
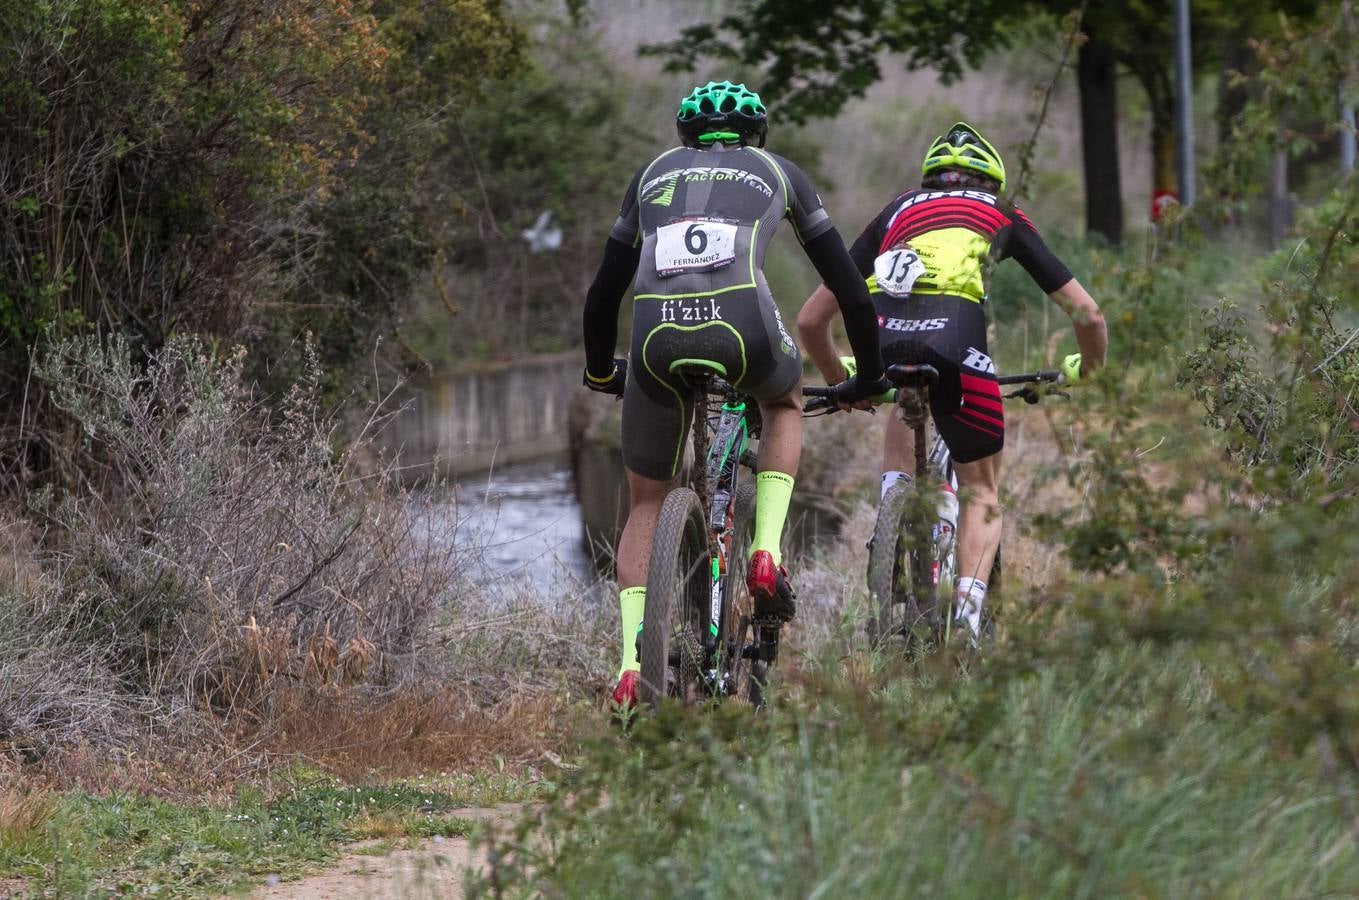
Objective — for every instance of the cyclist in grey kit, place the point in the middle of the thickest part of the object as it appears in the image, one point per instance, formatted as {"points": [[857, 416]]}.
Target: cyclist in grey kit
{"points": [[695, 225]]}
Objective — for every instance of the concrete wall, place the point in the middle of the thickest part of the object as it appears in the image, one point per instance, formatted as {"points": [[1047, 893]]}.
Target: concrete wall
{"points": [[490, 415]]}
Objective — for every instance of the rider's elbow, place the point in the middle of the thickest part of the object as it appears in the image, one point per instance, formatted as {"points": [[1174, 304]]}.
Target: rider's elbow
{"points": [[815, 317], [1091, 317]]}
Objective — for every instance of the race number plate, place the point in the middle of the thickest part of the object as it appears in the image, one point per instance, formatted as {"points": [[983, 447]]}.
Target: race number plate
{"points": [[694, 245], [897, 271]]}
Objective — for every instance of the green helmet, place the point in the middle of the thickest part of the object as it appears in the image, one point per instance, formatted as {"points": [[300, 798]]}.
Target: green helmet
{"points": [[963, 147], [722, 111]]}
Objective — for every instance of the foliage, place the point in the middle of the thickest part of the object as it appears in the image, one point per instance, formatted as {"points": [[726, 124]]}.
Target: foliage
{"points": [[230, 551], [236, 168], [1300, 72], [531, 147], [815, 56], [1294, 415]]}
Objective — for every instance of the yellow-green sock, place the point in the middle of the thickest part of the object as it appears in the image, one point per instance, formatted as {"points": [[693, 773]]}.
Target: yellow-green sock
{"points": [[631, 604], [773, 491]]}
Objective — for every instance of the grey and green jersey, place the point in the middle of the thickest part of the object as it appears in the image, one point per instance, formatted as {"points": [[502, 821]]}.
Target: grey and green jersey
{"points": [[701, 222], [744, 189]]}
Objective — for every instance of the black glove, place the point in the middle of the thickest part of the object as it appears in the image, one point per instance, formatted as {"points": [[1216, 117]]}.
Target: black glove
{"points": [[857, 388], [611, 385]]}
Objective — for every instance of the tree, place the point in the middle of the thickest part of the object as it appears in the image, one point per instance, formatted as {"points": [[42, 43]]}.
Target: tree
{"points": [[818, 55], [236, 169]]}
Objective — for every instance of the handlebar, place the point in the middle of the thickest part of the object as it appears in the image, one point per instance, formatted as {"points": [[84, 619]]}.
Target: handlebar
{"points": [[903, 375], [1047, 376]]}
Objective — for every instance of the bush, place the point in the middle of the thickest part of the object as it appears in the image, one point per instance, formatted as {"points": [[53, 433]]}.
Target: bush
{"points": [[232, 168], [227, 549]]}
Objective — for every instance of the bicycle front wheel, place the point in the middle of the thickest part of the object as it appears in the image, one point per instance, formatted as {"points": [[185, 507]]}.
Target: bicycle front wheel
{"points": [[677, 588]]}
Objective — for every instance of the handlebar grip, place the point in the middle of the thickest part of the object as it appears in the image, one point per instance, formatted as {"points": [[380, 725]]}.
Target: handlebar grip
{"points": [[821, 398], [819, 403], [1047, 376]]}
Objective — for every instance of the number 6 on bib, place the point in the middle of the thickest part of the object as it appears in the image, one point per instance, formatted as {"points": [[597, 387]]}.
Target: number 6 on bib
{"points": [[897, 270], [694, 245]]}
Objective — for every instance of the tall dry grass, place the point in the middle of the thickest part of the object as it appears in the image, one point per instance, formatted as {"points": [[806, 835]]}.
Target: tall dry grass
{"points": [[218, 555]]}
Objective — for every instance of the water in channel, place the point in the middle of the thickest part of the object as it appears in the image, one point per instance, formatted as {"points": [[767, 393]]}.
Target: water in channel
{"points": [[527, 520]]}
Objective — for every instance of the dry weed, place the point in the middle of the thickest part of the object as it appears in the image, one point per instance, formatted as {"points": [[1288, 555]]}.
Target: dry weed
{"points": [[439, 727], [24, 809]]}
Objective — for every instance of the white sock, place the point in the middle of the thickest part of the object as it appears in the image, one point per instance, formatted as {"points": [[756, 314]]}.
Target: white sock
{"points": [[971, 600], [891, 478]]}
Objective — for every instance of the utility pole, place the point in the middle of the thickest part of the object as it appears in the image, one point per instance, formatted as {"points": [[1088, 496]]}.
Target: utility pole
{"points": [[1184, 103], [1346, 95]]}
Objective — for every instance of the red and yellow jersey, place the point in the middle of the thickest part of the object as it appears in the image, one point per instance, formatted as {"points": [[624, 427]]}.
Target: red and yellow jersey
{"points": [[954, 233]]}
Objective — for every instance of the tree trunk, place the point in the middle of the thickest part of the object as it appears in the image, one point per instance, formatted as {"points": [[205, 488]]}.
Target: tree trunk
{"points": [[1096, 78], [1163, 175], [1280, 202]]}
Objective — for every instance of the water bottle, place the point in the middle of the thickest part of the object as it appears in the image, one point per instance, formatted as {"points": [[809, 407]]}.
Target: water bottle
{"points": [[944, 530], [948, 514]]}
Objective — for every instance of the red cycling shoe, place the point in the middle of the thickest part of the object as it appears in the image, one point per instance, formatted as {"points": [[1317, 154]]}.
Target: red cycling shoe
{"points": [[769, 586], [625, 694]]}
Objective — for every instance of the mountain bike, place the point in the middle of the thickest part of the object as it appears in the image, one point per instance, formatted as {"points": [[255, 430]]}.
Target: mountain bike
{"points": [[699, 636], [911, 556]]}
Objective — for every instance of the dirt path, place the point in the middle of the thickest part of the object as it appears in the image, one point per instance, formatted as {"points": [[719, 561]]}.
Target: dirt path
{"points": [[433, 869]]}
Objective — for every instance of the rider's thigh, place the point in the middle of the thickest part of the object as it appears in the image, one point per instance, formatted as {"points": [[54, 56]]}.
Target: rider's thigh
{"points": [[790, 400], [643, 490], [981, 477]]}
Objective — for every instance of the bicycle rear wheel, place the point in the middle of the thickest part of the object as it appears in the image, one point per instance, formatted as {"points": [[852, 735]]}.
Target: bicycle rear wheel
{"points": [[677, 587], [895, 571]]}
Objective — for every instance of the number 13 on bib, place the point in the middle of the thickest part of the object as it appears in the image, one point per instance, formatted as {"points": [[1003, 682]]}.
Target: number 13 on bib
{"points": [[897, 271], [694, 245]]}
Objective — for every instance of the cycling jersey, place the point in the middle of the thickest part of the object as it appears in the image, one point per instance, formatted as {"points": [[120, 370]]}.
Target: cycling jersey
{"points": [[954, 233], [941, 322], [699, 223]]}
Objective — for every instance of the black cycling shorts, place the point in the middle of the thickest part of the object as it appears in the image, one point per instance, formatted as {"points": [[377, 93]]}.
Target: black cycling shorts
{"points": [[948, 333], [741, 331]]}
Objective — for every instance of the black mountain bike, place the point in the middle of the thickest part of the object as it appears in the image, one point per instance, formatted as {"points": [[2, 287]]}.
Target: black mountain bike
{"points": [[911, 556], [699, 636]]}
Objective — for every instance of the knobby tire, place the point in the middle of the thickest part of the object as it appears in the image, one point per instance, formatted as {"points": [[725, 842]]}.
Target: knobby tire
{"points": [[890, 576], [676, 591]]}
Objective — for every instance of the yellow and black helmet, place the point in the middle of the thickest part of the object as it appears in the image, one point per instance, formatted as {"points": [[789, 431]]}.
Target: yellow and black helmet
{"points": [[962, 147]]}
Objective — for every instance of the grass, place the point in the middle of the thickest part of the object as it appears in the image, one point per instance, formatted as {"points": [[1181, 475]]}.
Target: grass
{"points": [[78, 844], [1119, 774]]}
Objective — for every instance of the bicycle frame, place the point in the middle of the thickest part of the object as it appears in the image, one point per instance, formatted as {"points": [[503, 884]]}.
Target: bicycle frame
{"points": [[723, 453]]}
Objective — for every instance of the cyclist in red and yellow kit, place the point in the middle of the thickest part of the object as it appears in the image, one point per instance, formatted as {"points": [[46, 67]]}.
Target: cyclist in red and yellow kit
{"points": [[924, 257]]}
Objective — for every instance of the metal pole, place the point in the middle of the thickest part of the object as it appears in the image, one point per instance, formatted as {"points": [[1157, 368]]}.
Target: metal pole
{"points": [[1347, 138], [1184, 103], [1346, 97]]}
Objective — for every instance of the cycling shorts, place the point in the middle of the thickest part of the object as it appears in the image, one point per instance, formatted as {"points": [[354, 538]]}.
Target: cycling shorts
{"points": [[948, 333], [741, 331]]}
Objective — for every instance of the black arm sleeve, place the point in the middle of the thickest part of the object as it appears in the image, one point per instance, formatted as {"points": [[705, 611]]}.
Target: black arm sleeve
{"points": [[866, 247], [1028, 249], [810, 219], [839, 273], [602, 302]]}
